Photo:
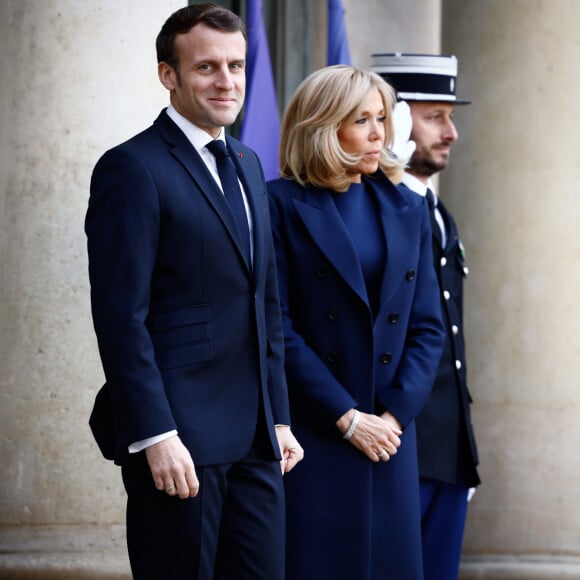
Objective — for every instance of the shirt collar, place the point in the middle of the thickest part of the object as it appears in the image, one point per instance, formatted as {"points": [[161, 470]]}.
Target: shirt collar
{"points": [[418, 186], [196, 136]]}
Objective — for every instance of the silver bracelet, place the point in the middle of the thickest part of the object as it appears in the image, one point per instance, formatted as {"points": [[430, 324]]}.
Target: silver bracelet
{"points": [[353, 425]]}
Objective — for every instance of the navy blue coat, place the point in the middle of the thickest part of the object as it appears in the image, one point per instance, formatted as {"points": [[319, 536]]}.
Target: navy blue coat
{"points": [[347, 516], [190, 335]]}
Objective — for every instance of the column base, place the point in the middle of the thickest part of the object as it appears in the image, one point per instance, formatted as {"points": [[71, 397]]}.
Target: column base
{"points": [[75, 552], [506, 567]]}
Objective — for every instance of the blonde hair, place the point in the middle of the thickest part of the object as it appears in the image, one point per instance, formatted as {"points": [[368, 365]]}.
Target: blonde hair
{"points": [[310, 152]]}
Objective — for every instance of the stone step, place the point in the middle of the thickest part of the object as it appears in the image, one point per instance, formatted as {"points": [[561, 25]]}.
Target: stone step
{"points": [[63, 552]]}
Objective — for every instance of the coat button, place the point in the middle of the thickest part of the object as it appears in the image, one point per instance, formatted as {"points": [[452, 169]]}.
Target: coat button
{"points": [[455, 329], [386, 358], [410, 274], [332, 315], [446, 294], [458, 364], [331, 357], [322, 272], [443, 261], [394, 317]]}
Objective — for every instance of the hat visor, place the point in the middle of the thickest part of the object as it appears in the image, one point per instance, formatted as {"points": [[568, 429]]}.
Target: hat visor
{"points": [[435, 100]]}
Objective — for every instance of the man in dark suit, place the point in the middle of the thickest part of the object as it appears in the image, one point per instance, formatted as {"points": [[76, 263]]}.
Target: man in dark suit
{"points": [[186, 312], [445, 439]]}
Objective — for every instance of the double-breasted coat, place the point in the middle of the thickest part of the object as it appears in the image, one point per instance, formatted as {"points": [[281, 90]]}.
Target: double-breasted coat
{"points": [[347, 516]]}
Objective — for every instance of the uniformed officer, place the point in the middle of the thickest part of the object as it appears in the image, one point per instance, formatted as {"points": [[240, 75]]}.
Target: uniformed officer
{"points": [[446, 445]]}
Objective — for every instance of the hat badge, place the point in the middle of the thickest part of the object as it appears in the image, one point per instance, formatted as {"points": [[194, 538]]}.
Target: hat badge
{"points": [[452, 85]]}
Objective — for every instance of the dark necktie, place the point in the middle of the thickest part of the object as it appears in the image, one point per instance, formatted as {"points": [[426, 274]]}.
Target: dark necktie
{"points": [[434, 223], [232, 192]]}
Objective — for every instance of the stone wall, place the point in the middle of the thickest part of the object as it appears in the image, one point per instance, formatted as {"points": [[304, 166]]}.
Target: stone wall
{"points": [[75, 79], [513, 187]]}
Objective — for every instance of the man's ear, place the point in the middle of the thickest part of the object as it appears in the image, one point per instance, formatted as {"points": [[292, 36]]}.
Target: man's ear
{"points": [[167, 75]]}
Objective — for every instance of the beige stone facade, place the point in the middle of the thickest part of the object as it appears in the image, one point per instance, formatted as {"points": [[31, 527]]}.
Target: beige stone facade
{"points": [[514, 186], [76, 77]]}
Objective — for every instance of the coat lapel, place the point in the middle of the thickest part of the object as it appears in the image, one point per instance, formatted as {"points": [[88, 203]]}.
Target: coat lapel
{"points": [[398, 224], [321, 218]]}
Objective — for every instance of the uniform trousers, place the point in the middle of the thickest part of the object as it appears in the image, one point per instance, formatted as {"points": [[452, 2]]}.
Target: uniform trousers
{"points": [[443, 513]]}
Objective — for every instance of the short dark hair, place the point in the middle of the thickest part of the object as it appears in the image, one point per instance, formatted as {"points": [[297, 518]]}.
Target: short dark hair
{"points": [[185, 19]]}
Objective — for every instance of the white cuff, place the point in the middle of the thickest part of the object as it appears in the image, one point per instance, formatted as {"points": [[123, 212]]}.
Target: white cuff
{"points": [[143, 444]]}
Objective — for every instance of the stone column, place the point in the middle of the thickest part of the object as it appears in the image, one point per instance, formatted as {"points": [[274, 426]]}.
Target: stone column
{"points": [[75, 79], [514, 187], [391, 26]]}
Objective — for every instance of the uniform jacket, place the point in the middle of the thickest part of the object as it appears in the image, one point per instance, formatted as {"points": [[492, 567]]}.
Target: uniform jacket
{"points": [[189, 334], [347, 517], [445, 437]]}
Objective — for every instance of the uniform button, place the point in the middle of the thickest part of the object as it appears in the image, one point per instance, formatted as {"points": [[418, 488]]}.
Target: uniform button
{"points": [[443, 261], [394, 317], [465, 270], [446, 294], [386, 358], [322, 272], [410, 274], [332, 315], [455, 329], [458, 364], [331, 357]]}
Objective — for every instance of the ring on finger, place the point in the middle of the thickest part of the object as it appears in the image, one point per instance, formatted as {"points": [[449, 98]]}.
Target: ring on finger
{"points": [[382, 453], [170, 488]]}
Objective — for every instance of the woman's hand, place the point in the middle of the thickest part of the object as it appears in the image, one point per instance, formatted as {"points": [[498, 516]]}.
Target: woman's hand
{"points": [[392, 421], [376, 437]]}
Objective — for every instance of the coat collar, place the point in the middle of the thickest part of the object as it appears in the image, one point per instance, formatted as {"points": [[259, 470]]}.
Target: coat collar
{"points": [[320, 216]]}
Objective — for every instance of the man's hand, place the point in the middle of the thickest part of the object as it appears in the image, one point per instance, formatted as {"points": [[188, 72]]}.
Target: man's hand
{"points": [[290, 449], [172, 468]]}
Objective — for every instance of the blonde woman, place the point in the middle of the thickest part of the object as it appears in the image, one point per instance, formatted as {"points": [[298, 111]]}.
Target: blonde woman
{"points": [[362, 327]]}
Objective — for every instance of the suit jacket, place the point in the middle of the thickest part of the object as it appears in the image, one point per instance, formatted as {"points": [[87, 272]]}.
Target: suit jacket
{"points": [[339, 356], [445, 436], [189, 334]]}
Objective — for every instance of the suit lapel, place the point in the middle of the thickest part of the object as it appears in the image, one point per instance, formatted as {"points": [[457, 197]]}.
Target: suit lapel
{"points": [[321, 218], [184, 151], [250, 178]]}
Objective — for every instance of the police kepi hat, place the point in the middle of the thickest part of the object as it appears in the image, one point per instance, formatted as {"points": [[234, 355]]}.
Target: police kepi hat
{"points": [[419, 77]]}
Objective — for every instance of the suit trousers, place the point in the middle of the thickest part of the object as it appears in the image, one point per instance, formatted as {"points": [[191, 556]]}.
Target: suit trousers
{"points": [[443, 513], [233, 530]]}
